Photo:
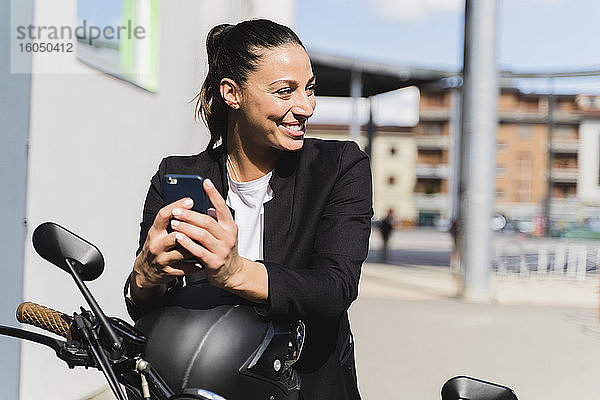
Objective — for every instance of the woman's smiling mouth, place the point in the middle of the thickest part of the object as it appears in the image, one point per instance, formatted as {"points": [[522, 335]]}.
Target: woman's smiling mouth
{"points": [[295, 129]]}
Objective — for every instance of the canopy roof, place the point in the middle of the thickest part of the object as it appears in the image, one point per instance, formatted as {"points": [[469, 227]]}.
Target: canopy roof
{"points": [[334, 75]]}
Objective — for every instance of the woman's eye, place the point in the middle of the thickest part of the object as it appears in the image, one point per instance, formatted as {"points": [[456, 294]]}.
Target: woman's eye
{"points": [[285, 91]]}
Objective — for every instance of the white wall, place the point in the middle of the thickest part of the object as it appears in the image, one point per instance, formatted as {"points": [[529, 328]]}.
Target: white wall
{"points": [[95, 141]]}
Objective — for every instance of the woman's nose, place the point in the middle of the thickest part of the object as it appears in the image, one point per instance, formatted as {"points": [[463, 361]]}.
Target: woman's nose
{"points": [[304, 105]]}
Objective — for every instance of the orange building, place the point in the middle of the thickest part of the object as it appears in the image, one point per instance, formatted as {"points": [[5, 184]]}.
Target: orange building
{"points": [[521, 156]]}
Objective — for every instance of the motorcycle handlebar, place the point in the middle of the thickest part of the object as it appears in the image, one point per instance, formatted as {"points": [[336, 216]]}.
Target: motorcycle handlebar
{"points": [[45, 318]]}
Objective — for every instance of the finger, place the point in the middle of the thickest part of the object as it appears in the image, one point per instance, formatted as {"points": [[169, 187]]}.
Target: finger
{"points": [[203, 255], [161, 221], [174, 256], [203, 236], [222, 211], [181, 269], [199, 220], [161, 245]]}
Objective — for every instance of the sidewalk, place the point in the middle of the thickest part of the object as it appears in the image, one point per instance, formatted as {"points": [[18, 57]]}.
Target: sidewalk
{"points": [[539, 336], [392, 282]]}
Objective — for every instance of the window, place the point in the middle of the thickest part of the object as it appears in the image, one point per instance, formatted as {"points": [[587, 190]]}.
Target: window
{"points": [[128, 47], [525, 131], [564, 132], [529, 105], [391, 180], [392, 151], [432, 129]]}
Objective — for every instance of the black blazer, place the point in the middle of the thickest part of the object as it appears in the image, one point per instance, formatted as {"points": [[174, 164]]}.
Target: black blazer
{"points": [[316, 236]]}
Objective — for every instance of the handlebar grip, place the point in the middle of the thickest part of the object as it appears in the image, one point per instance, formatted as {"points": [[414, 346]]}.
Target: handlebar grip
{"points": [[43, 317]]}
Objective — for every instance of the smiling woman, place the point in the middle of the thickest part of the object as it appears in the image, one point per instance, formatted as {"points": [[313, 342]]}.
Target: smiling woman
{"points": [[291, 220]]}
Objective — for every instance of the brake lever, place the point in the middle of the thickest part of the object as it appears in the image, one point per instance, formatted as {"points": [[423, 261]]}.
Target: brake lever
{"points": [[68, 351], [74, 355]]}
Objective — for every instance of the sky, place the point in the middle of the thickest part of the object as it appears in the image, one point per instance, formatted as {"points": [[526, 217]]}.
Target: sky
{"points": [[533, 35]]}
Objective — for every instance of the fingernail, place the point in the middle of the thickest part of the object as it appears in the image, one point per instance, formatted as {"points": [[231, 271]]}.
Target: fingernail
{"points": [[188, 202], [179, 236], [176, 211], [174, 223], [209, 184]]}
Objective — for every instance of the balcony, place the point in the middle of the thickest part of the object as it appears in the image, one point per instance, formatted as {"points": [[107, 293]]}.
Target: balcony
{"points": [[434, 114], [565, 146], [538, 117], [565, 175], [439, 171], [437, 201], [433, 142]]}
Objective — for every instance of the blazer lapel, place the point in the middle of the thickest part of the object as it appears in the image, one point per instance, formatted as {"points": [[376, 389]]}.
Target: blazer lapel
{"points": [[279, 210]]}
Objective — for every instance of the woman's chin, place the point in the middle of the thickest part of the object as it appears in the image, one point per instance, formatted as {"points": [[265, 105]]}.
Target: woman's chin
{"points": [[294, 144]]}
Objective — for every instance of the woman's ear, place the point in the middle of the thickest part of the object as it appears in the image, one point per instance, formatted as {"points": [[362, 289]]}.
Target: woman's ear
{"points": [[230, 92]]}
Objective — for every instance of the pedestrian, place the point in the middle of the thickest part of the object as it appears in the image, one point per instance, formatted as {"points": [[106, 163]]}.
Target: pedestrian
{"points": [[300, 232], [386, 227]]}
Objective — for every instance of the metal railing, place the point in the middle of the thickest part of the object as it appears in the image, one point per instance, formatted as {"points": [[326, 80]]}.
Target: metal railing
{"points": [[570, 259]]}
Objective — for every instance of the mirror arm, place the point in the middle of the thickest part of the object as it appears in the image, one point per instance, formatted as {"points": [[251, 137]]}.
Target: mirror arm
{"points": [[115, 341], [85, 328]]}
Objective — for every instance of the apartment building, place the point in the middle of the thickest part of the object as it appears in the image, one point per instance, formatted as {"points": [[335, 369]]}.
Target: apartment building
{"points": [[434, 136], [522, 156]]}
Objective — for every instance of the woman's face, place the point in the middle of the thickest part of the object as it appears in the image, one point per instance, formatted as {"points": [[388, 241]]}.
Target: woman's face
{"points": [[278, 99]]}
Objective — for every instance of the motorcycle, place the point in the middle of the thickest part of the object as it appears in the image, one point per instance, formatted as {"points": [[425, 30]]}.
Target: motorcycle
{"points": [[118, 349]]}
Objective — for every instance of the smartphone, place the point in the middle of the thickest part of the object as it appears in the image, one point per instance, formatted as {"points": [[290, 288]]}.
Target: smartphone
{"points": [[176, 187]]}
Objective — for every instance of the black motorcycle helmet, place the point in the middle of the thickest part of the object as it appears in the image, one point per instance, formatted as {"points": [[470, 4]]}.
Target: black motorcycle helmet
{"points": [[203, 337]]}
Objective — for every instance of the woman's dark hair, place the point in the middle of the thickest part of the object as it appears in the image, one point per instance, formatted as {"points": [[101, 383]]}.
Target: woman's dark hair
{"points": [[233, 52]]}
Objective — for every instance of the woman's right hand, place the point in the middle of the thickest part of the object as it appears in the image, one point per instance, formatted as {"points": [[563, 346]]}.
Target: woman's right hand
{"points": [[159, 262]]}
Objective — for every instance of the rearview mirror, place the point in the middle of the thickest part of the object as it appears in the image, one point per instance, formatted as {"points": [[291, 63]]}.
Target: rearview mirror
{"points": [[55, 244], [466, 388]]}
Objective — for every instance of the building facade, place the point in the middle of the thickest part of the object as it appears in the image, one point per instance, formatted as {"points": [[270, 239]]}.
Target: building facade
{"points": [[526, 156], [415, 168]]}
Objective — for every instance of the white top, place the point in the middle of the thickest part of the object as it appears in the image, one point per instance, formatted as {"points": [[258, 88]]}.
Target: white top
{"points": [[247, 199]]}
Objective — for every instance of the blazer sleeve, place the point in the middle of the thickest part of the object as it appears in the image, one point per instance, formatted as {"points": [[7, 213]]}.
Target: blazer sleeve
{"points": [[152, 205], [327, 287]]}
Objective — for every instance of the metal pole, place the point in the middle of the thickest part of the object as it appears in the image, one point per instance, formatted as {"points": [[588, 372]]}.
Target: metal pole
{"points": [[370, 131], [548, 198], [479, 124], [356, 94], [455, 152]]}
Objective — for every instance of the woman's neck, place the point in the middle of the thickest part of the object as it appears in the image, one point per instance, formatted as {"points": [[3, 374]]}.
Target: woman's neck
{"points": [[250, 162]]}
